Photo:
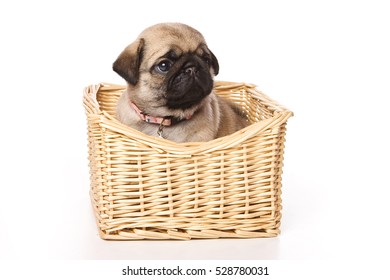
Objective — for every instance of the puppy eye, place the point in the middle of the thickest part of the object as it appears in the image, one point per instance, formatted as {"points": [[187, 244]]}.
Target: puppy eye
{"points": [[164, 66], [206, 59]]}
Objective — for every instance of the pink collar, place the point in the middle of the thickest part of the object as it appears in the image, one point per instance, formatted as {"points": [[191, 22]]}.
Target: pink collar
{"points": [[165, 121]]}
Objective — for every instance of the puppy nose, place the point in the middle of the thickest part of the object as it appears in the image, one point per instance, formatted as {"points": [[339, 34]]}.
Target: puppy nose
{"points": [[190, 70]]}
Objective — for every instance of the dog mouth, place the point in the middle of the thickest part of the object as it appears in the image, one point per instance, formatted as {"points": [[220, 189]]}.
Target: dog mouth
{"points": [[189, 85]]}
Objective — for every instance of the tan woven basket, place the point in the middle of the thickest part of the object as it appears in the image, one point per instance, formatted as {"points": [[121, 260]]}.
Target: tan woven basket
{"points": [[144, 187]]}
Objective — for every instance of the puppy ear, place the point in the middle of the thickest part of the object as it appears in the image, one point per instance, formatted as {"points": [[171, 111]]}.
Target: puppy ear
{"points": [[214, 63], [128, 63]]}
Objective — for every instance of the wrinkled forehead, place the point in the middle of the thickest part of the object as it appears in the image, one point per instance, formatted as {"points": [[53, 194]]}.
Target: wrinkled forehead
{"points": [[173, 32], [163, 39]]}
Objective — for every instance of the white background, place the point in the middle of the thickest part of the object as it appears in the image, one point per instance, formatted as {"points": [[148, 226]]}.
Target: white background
{"points": [[328, 61]]}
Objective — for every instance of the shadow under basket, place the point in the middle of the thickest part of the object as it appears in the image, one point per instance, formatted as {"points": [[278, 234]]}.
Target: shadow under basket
{"points": [[143, 187]]}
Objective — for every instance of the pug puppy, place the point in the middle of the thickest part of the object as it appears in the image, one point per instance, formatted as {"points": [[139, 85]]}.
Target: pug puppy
{"points": [[169, 72]]}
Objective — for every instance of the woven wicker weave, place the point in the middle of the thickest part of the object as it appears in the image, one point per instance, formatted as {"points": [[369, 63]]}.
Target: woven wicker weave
{"points": [[144, 187]]}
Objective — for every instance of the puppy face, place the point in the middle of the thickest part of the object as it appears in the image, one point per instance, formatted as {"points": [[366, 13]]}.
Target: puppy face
{"points": [[168, 68]]}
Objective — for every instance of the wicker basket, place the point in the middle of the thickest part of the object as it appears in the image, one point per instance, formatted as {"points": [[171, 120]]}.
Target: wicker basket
{"points": [[144, 187]]}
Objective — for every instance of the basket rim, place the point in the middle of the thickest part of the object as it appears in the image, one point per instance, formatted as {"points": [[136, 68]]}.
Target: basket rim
{"points": [[107, 121]]}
